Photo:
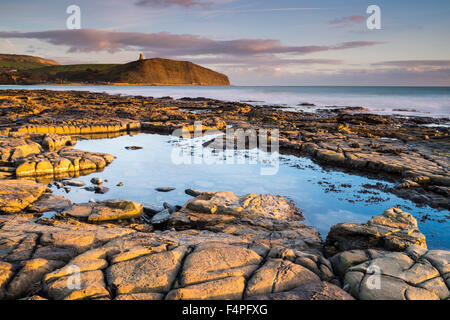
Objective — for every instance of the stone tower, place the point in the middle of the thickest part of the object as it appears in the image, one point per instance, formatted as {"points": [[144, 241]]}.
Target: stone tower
{"points": [[141, 57]]}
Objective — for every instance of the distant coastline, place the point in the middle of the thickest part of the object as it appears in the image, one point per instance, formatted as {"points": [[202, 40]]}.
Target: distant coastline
{"points": [[28, 70]]}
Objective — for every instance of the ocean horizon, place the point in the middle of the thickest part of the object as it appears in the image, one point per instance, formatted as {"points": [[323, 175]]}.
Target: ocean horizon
{"points": [[401, 100]]}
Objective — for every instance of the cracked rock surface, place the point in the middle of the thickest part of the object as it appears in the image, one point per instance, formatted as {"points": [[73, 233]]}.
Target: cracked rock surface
{"points": [[415, 274]]}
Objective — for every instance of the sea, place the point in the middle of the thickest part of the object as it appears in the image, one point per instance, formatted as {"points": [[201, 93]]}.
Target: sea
{"points": [[405, 101]]}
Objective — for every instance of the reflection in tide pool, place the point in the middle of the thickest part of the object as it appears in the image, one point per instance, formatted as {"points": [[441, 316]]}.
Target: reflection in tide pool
{"points": [[326, 197]]}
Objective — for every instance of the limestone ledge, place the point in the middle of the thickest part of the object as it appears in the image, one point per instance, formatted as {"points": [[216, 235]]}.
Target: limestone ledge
{"points": [[28, 155], [219, 246]]}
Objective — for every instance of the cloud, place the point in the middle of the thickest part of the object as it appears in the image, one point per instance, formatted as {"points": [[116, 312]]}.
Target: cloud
{"points": [[345, 21], [271, 60], [414, 63], [170, 3], [167, 44]]}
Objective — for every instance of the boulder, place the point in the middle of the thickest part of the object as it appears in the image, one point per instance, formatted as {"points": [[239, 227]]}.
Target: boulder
{"points": [[394, 230]]}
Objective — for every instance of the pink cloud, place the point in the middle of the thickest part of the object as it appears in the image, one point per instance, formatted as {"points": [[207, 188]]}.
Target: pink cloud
{"points": [[167, 44], [347, 20], [169, 3]]}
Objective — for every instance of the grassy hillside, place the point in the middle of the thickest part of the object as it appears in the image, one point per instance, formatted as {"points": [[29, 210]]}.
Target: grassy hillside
{"points": [[23, 62], [53, 70], [157, 71]]}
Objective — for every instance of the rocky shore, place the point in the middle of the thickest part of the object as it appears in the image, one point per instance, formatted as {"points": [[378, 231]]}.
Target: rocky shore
{"points": [[218, 245]]}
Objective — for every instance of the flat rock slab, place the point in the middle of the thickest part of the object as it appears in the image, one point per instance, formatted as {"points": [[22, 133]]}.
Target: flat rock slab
{"points": [[103, 211], [265, 205], [13, 148], [16, 195], [250, 216], [49, 202], [120, 263], [416, 274], [394, 230], [152, 273], [310, 291]]}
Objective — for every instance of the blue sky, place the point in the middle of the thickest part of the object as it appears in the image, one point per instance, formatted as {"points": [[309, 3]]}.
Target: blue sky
{"points": [[285, 42]]}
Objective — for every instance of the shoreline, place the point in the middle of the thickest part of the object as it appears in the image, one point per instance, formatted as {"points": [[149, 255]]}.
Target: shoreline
{"points": [[218, 245]]}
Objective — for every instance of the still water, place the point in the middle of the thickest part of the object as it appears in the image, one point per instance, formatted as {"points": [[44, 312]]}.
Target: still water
{"points": [[326, 197]]}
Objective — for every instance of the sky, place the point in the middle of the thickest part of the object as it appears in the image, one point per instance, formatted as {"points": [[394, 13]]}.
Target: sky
{"points": [[254, 42]]}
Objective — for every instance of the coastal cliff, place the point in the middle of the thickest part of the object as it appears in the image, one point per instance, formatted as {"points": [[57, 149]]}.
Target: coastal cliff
{"points": [[154, 71]]}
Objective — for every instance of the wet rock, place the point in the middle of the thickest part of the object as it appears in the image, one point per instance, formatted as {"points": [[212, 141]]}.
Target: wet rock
{"points": [[151, 209], [101, 189], [171, 208], [134, 148], [103, 211], [310, 291], [97, 181], [161, 217], [394, 230], [193, 192], [164, 189], [16, 195], [73, 183], [120, 184]]}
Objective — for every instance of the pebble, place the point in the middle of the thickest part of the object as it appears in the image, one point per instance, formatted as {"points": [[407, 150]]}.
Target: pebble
{"points": [[97, 181]]}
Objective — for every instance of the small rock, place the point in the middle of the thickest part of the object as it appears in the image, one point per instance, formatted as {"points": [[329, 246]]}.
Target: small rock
{"points": [[193, 192], [151, 209], [101, 189], [161, 217], [90, 189], [171, 208], [168, 189], [97, 181], [59, 185], [74, 183], [119, 184], [67, 189], [134, 148]]}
